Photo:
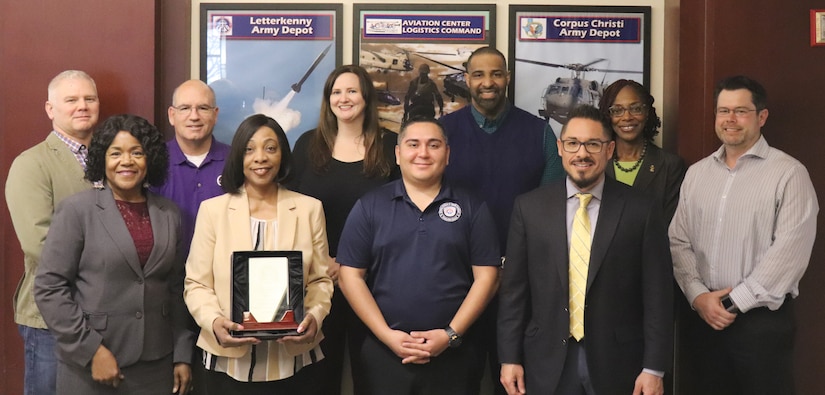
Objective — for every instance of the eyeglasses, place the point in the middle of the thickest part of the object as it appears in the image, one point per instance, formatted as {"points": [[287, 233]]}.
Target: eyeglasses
{"points": [[739, 112], [202, 109], [635, 109], [592, 146]]}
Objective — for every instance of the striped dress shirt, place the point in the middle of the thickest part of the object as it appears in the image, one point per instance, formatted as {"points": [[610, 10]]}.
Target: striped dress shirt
{"points": [[751, 227]]}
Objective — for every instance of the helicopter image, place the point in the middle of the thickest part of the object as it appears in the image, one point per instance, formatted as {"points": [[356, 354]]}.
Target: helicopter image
{"points": [[384, 95], [564, 94], [455, 85], [384, 61]]}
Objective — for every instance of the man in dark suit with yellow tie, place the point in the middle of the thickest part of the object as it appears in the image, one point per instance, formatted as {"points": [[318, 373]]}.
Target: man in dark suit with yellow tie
{"points": [[586, 293]]}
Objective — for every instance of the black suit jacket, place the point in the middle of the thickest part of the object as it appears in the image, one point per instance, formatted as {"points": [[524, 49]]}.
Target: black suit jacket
{"points": [[661, 177], [629, 300]]}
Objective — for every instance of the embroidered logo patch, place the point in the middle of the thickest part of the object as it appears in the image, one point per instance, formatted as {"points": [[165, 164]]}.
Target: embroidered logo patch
{"points": [[449, 212]]}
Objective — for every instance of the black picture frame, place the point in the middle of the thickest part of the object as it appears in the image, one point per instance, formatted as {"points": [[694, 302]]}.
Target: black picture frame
{"points": [[284, 324], [266, 58], [393, 41], [555, 49]]}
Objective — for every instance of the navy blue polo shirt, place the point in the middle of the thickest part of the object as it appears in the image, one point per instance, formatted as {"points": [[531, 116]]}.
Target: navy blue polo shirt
{"points": [[419, 264]]}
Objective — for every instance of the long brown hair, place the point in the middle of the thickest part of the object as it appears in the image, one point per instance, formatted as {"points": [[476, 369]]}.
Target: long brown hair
{"points": [[323, 139]]}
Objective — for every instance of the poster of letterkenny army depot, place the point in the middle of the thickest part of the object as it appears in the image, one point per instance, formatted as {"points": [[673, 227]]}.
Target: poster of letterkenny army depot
{"points": [[416, 56], [562, 56], [270, 59]]}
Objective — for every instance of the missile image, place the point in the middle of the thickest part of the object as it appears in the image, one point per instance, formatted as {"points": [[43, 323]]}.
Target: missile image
{"points": [[297, 86], [287, 117]]}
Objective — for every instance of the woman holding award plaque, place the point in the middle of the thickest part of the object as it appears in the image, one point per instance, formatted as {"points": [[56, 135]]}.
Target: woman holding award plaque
{"points": [[257, 213]]}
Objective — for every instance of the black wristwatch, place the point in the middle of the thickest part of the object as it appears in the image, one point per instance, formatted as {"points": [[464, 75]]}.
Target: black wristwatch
{"points": [[728, 304], [455, 338]]}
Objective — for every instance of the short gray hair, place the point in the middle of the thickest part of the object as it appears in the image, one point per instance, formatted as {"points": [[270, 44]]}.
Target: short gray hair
{"points": [[69, 74]]}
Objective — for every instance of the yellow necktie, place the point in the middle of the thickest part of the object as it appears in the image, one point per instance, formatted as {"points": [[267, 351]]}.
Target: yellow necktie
{"points": [[579, 261]]}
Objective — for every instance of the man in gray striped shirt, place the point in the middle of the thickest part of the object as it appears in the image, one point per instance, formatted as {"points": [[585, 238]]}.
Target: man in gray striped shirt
{"points": [[741, 240]]}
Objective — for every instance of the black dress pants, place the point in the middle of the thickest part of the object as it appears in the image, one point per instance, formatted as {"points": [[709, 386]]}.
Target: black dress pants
{"points": [[752, 356]]}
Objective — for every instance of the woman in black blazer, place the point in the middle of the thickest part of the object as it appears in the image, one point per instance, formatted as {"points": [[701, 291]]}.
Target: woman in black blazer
{"points": [[637, 161]]}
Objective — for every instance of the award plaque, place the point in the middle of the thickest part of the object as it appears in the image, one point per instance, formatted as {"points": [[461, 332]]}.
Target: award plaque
{"points": [[267, 293]]}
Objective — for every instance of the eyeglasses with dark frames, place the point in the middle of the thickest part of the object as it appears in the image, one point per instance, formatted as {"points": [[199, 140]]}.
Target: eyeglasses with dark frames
{"points": [[738, 112], [591, 146], [635, 109]]}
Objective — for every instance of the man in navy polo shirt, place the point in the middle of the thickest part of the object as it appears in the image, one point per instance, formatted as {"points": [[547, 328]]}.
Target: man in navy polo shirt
{"points": [[419, 264], [196, 161]]}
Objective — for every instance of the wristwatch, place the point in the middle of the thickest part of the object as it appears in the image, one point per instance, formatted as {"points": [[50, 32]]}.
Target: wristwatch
{"points": [[455, 338], [728, 304]]}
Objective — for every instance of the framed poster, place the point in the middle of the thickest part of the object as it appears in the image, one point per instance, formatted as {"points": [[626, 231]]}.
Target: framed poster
{"points": [[271, 59], [817, 28], [415, 54], [563, 56]]}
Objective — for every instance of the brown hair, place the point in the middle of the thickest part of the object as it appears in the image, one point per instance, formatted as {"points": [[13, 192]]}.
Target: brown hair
{"points": [[323, 138]]}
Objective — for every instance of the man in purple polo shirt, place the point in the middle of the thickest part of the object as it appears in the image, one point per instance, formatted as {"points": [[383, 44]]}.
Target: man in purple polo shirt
{"points": [[196, 158], [196, 162]]}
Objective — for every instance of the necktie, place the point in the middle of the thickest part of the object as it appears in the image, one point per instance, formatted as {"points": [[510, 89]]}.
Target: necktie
{"points": [[579, 261]]}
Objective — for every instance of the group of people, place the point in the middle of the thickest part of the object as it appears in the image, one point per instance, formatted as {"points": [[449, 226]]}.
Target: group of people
{"points": [[479, 237]]}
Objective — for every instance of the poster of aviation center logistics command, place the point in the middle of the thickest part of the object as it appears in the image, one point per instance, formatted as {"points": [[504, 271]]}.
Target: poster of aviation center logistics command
{"points": [[562, 56], [269, 61], [416, 57]]}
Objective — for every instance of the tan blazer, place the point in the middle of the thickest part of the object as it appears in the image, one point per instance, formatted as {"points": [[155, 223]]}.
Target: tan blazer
{"points": [[39, 179], [222, 227]]}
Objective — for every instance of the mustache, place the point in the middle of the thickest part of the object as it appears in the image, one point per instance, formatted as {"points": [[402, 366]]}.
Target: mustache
{"points": [[584, 160]]}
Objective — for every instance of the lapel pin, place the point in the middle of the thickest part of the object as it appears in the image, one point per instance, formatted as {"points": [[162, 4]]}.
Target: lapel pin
{"points": [[652, 168]]}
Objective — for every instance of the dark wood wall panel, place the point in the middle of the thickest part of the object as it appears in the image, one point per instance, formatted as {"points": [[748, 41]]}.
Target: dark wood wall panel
{"points": [[767, 40], [114, 41], [173, 60]]}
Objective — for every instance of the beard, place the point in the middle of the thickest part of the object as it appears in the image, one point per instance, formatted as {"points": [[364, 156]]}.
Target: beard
{"points": [[581, 178], [491, 105], [584, 182]]}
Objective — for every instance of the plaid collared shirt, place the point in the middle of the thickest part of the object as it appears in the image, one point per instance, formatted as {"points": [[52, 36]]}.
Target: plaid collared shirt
{"points": [[80, 151]]}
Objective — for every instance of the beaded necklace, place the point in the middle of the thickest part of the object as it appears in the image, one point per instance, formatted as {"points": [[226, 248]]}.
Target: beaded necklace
{"points": [[635, 166]]}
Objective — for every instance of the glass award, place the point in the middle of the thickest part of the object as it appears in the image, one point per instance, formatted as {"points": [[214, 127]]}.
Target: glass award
{"points": [[267, 293]]}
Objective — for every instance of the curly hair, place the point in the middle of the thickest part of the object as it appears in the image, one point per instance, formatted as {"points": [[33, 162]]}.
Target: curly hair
{"points": [[653, 121], [233, 177], [323, 137], [150, 138]]}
